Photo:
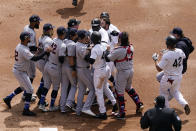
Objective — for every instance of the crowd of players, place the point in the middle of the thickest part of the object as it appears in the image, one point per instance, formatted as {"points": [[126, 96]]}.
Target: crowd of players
{"points": [[87, 60], [76, 60]]}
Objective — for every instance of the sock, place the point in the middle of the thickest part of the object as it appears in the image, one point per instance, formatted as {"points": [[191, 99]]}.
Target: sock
{"points": [[16, 92], [53, 97], [43, 95], [27, 101]]}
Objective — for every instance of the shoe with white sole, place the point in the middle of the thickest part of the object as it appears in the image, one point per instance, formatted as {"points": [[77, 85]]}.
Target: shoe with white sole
{"points": [[53, 108], [43, 108], [88, 112]]}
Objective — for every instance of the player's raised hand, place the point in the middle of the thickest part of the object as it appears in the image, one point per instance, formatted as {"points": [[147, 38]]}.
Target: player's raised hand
{"points": [[155, 56]]}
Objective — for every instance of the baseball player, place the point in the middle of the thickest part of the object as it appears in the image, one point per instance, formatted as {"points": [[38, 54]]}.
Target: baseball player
{"points": [[34, 24], [96, 26], [52, 74], [68, 53], [84, 75], [171, 65], [185, 44], [100, 74], [123, 58], [22, 58]]}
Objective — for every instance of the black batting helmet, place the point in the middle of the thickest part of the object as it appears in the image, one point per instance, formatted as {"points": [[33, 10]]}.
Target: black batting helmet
{"points": [[171, 40], [96, 37], [95, 22], [104, 15]]}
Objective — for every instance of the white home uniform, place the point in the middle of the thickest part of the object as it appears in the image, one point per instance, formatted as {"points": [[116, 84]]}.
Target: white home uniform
{"points": [[172, 66], [104, 35], [22, 61], [52, 69], [67, 50], [32, 69], [113, 42], [101, 76]]}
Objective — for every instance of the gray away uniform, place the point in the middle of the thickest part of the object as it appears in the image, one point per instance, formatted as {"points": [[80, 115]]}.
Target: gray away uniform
{"points": [[68, 50], [124, 69], [85, 78]]}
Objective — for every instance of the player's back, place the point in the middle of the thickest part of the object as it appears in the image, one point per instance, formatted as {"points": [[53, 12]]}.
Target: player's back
{"points": [[54, 55], [22, 57], [172, 62], [80, 55], [97, 52]]}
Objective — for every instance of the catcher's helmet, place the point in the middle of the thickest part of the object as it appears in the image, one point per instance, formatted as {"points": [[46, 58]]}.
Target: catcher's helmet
{"points": [[95, 22], [104, 15], [171, 40], [96, 37]]}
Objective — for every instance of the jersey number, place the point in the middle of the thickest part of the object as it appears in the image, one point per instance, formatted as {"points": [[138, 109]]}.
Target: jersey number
{"points": [[177, 62], [16, 55], [54, 46]]}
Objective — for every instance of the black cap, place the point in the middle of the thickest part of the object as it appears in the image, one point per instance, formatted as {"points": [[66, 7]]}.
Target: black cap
{"points": [[104, 15], [82, 33], [160, 101], [34, 18], [24, 35], [95, 22], [61, 30], [73, 22], [73, 31], [47, 26], [177, 31]]}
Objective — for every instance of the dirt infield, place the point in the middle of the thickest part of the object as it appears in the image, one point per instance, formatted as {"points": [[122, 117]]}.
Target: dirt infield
{"points": [[148, 23]]}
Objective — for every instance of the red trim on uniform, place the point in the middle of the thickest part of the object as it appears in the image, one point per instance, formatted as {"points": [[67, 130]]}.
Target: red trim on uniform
{"points": [[129, 52]]}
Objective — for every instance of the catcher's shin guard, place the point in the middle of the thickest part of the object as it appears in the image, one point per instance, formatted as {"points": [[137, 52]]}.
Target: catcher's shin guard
{"points": [[133, 94], [121, 103]]}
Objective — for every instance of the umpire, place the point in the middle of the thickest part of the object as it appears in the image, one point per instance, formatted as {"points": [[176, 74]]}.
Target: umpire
{"points": [[184, 44], [160, 118]]}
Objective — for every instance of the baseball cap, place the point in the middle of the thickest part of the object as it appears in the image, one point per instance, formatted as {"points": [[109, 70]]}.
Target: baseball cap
{"points": [[82, 33], [48, 26], [73, 31], [73, 22], [34, 18], [24, 35], [61, 30], [177, 30], [160, 101], [104, 15]]}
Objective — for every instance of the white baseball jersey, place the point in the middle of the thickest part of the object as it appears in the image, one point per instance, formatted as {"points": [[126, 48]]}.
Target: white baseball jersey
{"points": [[97, 54], [171, 62], [22, 58], [113, 39], [104, 35], [32, 36], [54, 55]]}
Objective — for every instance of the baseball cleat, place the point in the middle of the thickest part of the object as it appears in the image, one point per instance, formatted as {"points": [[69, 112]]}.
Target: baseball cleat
{"points": [[120, 116], [88, 112], [53, 108], [33, 98], [114, 109], [45, 103], [7, 102], [101, 116], [187, 109], [71, 108], [43, 108], [28, 113], [140, 108]]}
